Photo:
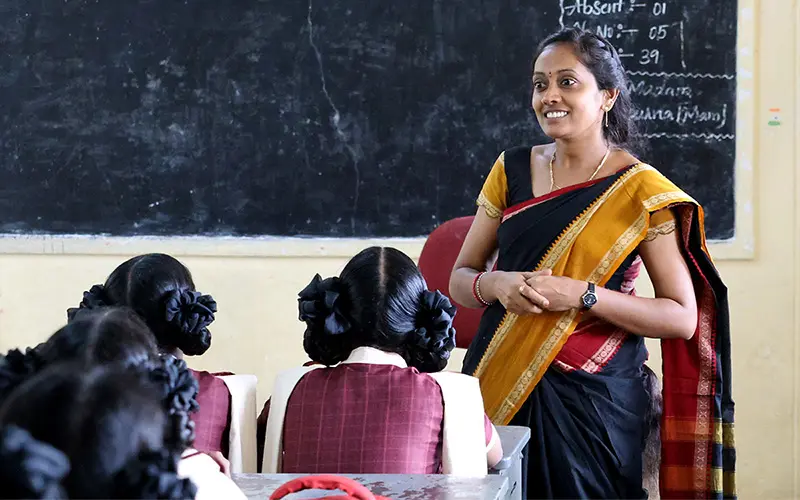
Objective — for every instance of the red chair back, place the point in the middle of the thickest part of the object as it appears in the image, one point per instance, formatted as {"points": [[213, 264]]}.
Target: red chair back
{"points": [[436, 264]]}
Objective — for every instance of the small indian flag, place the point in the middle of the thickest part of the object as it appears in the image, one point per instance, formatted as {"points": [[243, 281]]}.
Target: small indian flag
{"points": [[775, 119]]}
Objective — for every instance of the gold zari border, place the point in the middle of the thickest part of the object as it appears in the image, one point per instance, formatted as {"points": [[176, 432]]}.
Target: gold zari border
{"points": [[660, 230], [615, 252], [491, 210]]}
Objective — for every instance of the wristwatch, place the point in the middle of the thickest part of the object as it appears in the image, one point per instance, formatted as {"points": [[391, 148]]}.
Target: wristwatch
{"points": [[589, 297]]}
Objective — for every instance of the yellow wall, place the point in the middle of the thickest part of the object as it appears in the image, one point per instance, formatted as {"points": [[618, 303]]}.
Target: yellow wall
{"points": [[257, 329]]}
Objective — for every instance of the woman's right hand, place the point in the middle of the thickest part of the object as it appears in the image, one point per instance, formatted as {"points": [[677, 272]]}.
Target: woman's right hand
{"points": [[514, 293]]}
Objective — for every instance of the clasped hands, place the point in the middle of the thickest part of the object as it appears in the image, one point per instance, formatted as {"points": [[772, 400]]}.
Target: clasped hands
{"points": [[533, 292]]}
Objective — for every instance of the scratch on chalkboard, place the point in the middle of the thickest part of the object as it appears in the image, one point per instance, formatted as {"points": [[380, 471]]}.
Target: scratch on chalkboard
{"points": [[683, 46], [336, 118]]}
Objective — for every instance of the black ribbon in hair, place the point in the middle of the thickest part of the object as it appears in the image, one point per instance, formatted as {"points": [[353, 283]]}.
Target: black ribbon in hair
{"points": [[322, 300]]}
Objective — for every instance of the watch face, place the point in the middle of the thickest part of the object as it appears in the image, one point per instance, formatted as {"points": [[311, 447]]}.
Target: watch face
{"points": [[589, 299]]}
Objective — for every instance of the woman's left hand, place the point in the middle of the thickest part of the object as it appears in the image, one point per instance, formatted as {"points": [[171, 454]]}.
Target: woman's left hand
{"points": [[562, 293]]}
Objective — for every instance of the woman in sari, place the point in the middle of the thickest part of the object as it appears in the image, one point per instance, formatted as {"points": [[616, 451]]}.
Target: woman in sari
{"points": [[560, 347]]}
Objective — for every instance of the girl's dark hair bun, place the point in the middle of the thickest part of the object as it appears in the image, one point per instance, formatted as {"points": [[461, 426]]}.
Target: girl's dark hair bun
{"points": [[188, 314], [30, 468], [430, 344], [190, 311], [179, 395], [153, 475], [93, 298], [16, 367]]}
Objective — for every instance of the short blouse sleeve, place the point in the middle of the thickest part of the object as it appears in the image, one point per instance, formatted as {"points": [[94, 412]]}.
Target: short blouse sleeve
{"points": [[494, 195], [661, 222]]}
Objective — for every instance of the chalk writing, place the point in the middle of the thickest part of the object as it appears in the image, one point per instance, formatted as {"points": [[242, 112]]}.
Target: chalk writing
{"points": [[595, 8], [671, 96], [687, 115], [649, 88]]}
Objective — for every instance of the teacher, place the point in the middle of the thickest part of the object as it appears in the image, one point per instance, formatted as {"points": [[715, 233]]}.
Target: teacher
{"points": [[560, 347]]}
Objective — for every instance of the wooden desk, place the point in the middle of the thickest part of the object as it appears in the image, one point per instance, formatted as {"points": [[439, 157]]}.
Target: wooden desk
{"points": [[394, 486]]}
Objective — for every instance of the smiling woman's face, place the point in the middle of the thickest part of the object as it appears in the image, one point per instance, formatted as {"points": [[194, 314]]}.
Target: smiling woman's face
{"points": [[566, 98]]}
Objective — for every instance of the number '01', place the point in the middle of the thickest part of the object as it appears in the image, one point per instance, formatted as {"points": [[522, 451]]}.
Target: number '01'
{"points": [[659, 8]]}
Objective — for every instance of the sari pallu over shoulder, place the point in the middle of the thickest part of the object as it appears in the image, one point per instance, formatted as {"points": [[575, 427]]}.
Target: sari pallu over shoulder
{"points": [[513, 353]]}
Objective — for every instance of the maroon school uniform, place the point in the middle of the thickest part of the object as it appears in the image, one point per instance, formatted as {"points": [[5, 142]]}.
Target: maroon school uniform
{"points": [[363, 419], [212, 421]]}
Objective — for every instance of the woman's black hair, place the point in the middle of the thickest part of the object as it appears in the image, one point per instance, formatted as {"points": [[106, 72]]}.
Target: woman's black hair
{"points": [[602, 59], [118, 336], [380, 300], [160, 289], [109, 422]]}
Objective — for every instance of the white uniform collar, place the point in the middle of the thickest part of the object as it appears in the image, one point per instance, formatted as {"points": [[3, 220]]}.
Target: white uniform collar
{"points": [[372, 356]]}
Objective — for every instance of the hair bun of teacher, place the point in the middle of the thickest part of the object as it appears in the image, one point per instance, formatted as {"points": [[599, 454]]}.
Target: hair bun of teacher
{"points": [[93, 298], [30, 468], [323, 304]]}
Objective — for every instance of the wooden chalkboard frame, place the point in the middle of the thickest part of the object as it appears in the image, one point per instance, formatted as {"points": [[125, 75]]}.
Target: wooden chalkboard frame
{"points": [[740, 247]]}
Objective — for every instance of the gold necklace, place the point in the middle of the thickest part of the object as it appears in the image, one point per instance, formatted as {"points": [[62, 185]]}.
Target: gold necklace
{"points": [[552, 159]]}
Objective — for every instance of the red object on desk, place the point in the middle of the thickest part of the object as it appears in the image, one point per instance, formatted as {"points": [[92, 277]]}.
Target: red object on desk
{"points": [[352, 489]]}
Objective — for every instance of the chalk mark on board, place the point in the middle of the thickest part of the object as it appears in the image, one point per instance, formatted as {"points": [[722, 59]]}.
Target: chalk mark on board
{"points": [[336, 118], [683, 49], [668, 135], [561, 15], [684, 75]]}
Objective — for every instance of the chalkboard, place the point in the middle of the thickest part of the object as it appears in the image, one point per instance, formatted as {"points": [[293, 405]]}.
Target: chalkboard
{"points": [[342, 118]]}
